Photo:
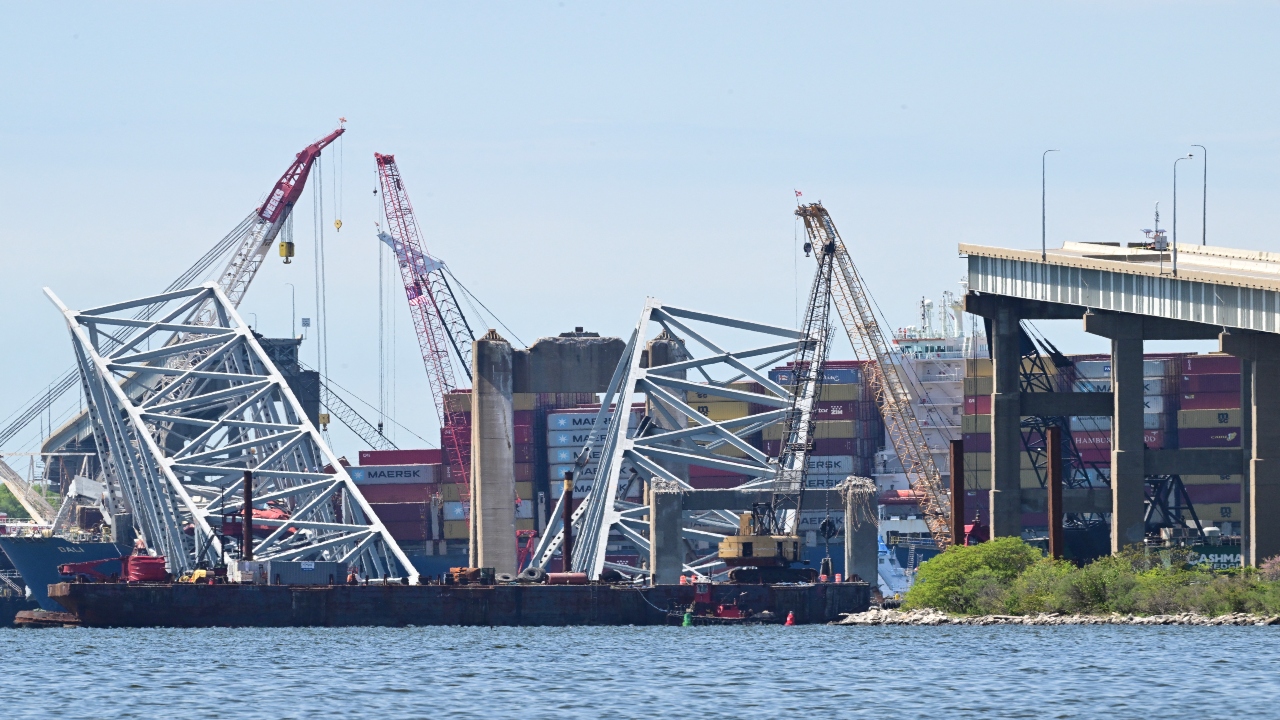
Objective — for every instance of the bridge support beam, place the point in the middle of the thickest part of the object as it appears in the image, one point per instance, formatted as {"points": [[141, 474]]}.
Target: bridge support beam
{"points": [[1261, 370], [1128, 461], [1006, 422]]}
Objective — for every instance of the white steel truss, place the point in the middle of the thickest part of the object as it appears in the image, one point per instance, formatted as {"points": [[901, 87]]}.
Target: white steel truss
{"points": [[672, 434], [179, 451]]}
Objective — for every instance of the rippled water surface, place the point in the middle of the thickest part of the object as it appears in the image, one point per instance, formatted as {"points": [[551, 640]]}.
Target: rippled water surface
{"points": [[701, 672]]}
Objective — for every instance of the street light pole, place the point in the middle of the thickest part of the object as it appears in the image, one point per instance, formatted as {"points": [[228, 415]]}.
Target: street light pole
{"points": [[293, 312], [1204, 210], [1042, 214], [1175, 211]]}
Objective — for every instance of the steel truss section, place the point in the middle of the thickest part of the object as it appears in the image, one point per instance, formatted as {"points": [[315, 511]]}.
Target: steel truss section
{"points": [[179, 451], [672, 435]]}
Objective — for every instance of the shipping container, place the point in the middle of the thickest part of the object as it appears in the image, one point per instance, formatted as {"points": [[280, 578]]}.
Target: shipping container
{"points": [[458, 401], [455, 511], [400, 512], [830, 376], [1209, 401], [1220, 493], [408, 530], [395, 474], [1217, 512], [841, 465], [1211, 479], [457, 529], [694, 396], [524, 490], [979, 386], [1153, 404], [524, 454], [1208, 437], [1153, 439], [847, 410], [449, 492], [524, 402], [583, 420], [1211, 383], [426, 456], [563, 455], [1154, 421], [525, 417], [522, 434], [721, 411], [1090, 423], [573, 438], [307, 572], [977, 405], [524, 471], [841, 393], [1209, 364], [1208, 418], [398, 493]]}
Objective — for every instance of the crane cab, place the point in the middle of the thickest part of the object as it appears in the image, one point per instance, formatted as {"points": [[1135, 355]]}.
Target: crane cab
{"points": [[755, 546]]}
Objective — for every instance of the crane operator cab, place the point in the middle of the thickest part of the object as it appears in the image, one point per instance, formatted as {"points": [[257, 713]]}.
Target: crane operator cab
{"points": [[759, 553]]}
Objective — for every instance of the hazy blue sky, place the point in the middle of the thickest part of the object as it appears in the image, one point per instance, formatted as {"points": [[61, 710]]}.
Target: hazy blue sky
{"points": [[568, 158]]}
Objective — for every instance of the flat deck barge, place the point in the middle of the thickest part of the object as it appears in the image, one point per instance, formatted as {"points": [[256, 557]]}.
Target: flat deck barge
{"points": [[194, 605]]}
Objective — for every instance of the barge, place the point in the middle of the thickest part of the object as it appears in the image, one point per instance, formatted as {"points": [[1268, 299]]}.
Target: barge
{"points": [[236, 605]]}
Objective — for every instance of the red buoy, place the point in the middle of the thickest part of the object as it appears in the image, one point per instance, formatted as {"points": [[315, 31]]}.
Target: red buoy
{"points": [[791, 618]]}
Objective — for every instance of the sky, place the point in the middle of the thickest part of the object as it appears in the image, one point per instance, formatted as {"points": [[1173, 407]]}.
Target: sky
{"points": [[569, 159]]}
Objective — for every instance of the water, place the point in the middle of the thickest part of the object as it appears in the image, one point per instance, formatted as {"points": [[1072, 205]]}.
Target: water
{"points": [[702, 672]]}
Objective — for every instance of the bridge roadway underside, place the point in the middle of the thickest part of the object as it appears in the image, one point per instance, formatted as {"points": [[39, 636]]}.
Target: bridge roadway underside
{"points": [[1006, 288]]}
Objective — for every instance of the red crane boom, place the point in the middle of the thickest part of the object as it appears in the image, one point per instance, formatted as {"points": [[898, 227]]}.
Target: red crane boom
{"points": [[432, 306]]}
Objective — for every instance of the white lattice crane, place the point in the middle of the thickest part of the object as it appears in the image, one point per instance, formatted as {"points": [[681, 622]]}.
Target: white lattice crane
{"points": [[853, 302]]}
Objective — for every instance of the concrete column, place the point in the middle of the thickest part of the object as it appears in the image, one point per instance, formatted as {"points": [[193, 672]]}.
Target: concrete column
{"points": [[1264, 465], [666, 546], [493, 481], [1006, 421], [861, 531], [1128, 471]]}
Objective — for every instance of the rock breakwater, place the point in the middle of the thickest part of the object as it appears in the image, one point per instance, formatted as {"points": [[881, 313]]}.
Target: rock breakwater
{"points": [[876, 616]]}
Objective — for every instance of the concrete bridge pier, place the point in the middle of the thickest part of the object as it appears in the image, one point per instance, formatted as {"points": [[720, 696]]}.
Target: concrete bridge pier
{"points": [[1260, 353], [1006, 421]]}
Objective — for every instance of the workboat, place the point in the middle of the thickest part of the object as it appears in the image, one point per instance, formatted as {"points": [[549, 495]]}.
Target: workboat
{"points": [[37, 559], [894, 581]]}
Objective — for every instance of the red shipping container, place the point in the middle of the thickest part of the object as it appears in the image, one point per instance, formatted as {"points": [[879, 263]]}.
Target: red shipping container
{"points": [[523, 434], [524, 417], [1095, 455], [408, 530], [1208, 437], [455, 474], [977, 404], [1211, 383], [1094, 439], [1209, 494], [833, 410], [398, 493], [1153, 439], [400, 457], [399, 512], [524, 453], [524, 472], [1210, 401], [1202, 364]]}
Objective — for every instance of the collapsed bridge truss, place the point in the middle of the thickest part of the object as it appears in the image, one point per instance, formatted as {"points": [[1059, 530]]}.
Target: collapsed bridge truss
{"points": [[672, 435], [215, 407]]}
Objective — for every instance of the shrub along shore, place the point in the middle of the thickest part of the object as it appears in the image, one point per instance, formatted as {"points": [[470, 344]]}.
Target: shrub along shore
{"points": [[1007, 577]]}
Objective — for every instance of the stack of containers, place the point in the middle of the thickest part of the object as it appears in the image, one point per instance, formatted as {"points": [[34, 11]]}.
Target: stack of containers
{"points": [[849, 432], [399, 485], [568, 430], [717, 409], [1210, 417], [975, 428], [454, 491]]}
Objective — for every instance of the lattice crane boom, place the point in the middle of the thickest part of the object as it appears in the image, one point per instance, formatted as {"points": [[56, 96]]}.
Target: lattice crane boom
{"points": [[854, 305], [437, 320]]}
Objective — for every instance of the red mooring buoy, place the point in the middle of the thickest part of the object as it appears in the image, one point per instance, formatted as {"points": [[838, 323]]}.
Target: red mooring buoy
{"points": [[791, 618]]}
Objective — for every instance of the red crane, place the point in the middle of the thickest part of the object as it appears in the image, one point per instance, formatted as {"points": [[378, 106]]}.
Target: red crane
{"points": [[437, 319]]}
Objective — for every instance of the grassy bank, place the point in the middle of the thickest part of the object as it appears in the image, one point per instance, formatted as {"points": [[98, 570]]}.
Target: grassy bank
{"points": [[1007, 576]]}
